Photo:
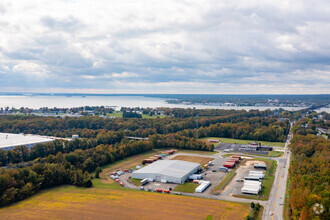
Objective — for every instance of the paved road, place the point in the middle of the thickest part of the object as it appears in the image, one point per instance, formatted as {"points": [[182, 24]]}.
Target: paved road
{"points": [[274, 209]]}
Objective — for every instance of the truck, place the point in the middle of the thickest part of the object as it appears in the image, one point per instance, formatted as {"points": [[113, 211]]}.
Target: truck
{"points": [[224, 169], [195, 177], [159, 190], [260, 166], [229, 164], [203, 185], [253, 178], [144, 181], [253, 191], [260, 175], [257, 172]]}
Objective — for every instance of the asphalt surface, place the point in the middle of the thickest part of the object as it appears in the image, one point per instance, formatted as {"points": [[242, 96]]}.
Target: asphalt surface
{"points": [[274, 209]]}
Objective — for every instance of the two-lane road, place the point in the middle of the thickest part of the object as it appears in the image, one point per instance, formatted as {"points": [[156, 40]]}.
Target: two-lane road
{"points": [[274, 209]]}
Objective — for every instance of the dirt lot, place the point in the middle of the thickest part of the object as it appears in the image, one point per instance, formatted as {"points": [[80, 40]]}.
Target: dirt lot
{"points": [[70, 202], [201, 160]]}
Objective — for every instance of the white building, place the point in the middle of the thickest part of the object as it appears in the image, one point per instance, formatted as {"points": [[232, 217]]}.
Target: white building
{"points": [[172, 171], [9, 141]]}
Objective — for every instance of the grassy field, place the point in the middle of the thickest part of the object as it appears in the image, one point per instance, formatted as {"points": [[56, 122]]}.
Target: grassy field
{"points": [[275, 154], [238, 141], [201, 160], [270, 154], [267, 183], [116, 114], [197, 152], [186, 187], [136, 182], [110, 201], [223, 183], [127, 163]]}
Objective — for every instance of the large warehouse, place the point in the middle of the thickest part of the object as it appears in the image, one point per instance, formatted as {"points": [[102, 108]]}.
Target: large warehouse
{"points": [[172, 171], [9, 141]]}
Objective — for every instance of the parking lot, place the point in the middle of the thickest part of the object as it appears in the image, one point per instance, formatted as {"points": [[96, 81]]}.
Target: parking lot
{"points": [[234, 187], [241, 148]]}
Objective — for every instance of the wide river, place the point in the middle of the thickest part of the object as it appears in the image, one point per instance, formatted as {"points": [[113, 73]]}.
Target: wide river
{"points": [[37, 102]]}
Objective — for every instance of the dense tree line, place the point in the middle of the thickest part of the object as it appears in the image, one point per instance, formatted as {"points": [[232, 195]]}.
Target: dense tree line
{"points": [[309, 177], [63, 168], [262, 129], [89, 126]]}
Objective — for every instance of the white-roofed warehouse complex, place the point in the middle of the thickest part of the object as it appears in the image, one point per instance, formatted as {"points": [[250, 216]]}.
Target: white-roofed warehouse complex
{"points": [[171, 171], [9, 141]]}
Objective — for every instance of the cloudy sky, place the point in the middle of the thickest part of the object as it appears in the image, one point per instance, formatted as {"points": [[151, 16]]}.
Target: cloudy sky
{"points": [[152, 46]]}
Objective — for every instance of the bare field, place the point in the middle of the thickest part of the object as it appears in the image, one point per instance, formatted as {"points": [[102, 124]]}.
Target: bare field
{"points": [[201, 160], [68, 202]]}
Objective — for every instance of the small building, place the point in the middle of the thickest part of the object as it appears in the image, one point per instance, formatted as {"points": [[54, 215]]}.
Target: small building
{"points": [[171, 171]]}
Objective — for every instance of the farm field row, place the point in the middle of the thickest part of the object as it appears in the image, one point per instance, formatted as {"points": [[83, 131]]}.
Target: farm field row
{"points": [[109, 201], [238, 141]]}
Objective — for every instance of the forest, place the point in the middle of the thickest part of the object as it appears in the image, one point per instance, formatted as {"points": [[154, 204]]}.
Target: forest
{"points": [[309, 177]]}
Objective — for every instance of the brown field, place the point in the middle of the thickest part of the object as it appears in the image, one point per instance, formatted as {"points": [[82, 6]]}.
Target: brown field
{"points": [[68, 202], [201, 160], [124, 164]]}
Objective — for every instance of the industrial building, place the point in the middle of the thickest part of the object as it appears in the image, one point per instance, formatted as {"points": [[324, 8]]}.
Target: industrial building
{"points": [[9, 141], [171, 171]]}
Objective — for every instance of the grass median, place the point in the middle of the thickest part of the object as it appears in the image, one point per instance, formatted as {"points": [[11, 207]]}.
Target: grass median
{"points": [[223, 183]]}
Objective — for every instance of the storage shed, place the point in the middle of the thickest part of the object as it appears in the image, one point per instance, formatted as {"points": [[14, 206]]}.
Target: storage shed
{"points": [[173, 171]]}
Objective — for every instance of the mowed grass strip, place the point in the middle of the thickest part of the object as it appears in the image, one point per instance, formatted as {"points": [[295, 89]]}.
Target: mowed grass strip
{"points": [[186, 187], [223, 183], [69, 202], [275, 154], [197, 152], [238, 141], [201, 160]]}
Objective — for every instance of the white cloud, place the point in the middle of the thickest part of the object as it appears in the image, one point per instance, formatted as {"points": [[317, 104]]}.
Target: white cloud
{"points": [[30, 69]]}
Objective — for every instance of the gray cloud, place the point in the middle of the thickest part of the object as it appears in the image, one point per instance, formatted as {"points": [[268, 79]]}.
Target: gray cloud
{"points": [[171, 46]]}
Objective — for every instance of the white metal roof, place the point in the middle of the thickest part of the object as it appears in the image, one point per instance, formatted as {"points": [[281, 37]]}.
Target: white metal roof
{"points": [[175, 168], [12, 140]]}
